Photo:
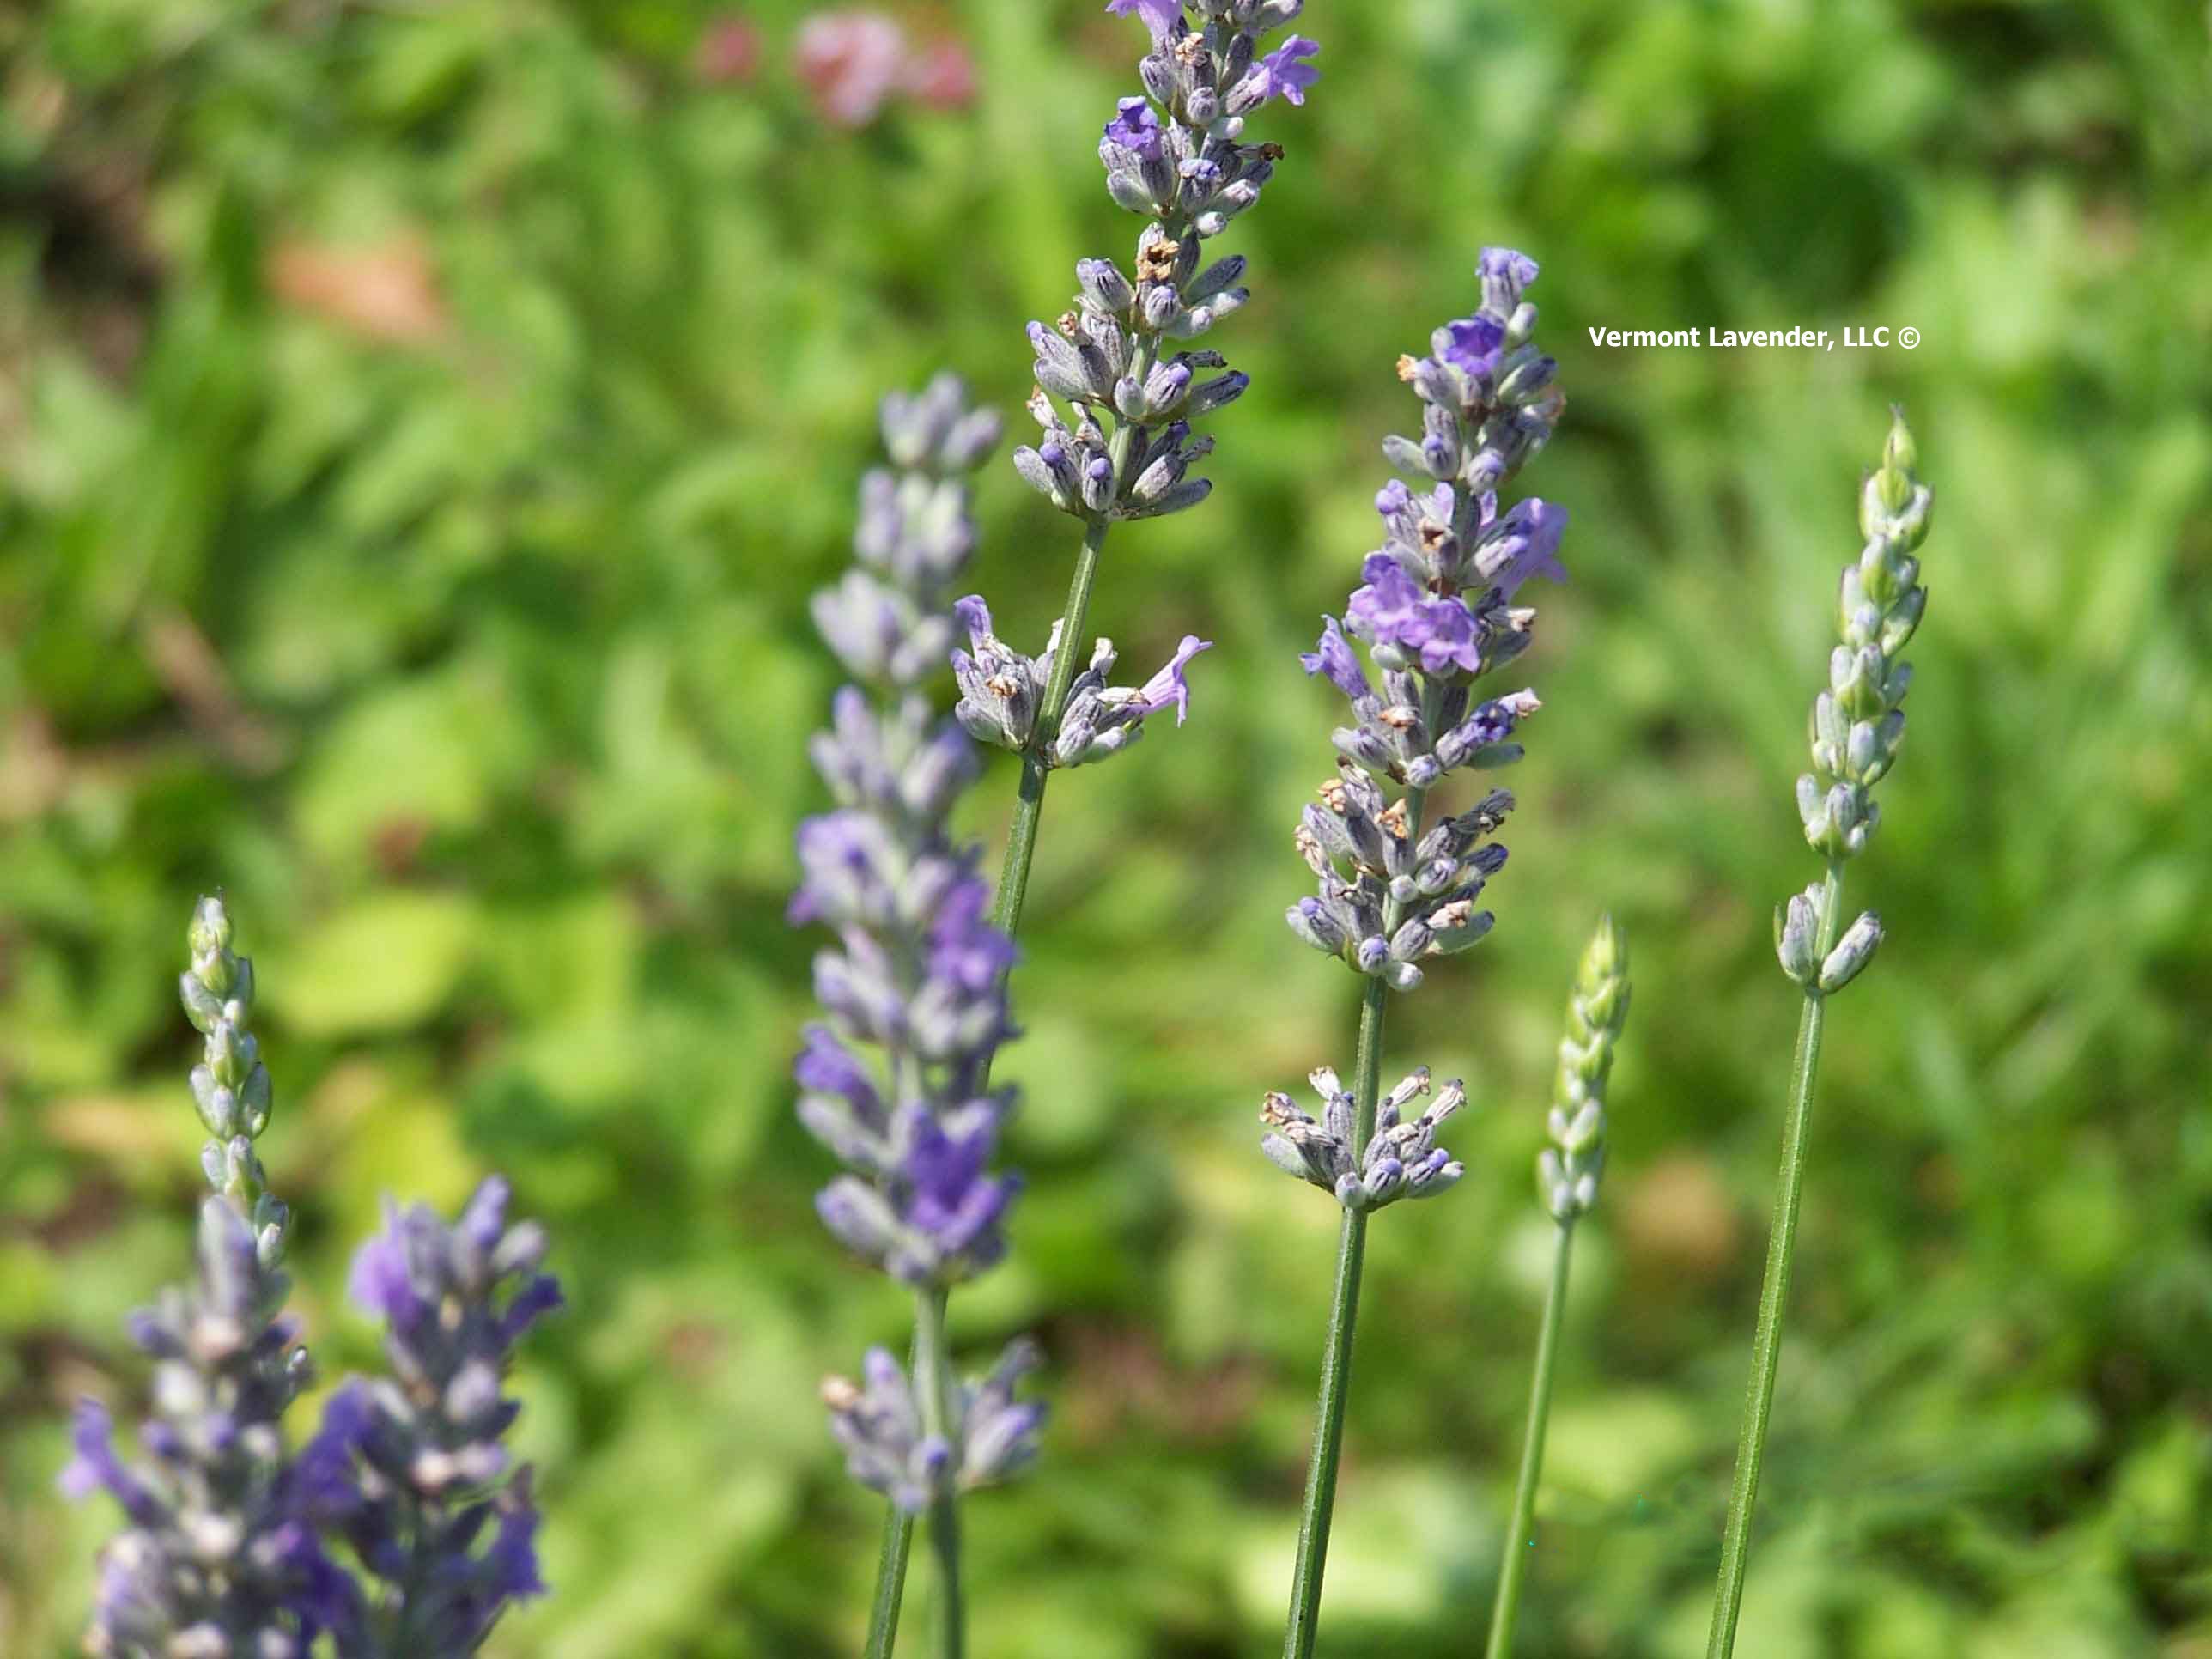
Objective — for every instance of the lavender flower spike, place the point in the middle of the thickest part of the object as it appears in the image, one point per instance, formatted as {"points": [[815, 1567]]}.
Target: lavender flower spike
{"points": [[412, 1470], [1117, 391], [1568, 1170], [1857, 725], [917, 974], [916, 971], [1436, 609], [215, 1559], [1567, 1175], [1176, 155]]}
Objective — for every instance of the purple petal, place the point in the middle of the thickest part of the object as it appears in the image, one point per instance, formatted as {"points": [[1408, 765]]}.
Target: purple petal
{"points": [[1162, 17], [1281, 74], [1169, 686], [485, 1218], [540, 1296], [379, 1283], [1332, 655], [1135, 126], [96, 1466], [1507, 261], [1472, 344], [324, 1481], [1530, 544], [828, 1068], [514, 1555], [975, 617]]}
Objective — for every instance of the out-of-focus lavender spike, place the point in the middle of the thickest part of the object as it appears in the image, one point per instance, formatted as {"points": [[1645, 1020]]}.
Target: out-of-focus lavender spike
{"points": [[412, 1468], [215, 1491], [917, 973]]}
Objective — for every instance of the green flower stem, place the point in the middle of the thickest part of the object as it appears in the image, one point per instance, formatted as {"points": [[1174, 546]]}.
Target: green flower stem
{"points": [[1299, 1636], [1303, 1628], [933, 1380], [1521, 1539], [1773, 1295], [1029, 803], [1006, 917], [890, 1583]]}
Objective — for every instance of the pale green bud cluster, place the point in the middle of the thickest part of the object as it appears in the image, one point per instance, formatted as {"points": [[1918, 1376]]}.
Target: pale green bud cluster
{"points": [[1857, 723], [230, 1086], [1567, 1171], [1797, 943]]}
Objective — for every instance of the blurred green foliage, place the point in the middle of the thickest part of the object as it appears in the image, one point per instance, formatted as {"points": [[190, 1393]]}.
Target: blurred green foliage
{"points": [[420, 426]]}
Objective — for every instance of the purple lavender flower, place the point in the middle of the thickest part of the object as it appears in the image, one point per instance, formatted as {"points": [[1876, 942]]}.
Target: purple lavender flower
{"points": [[931, 1211], [903, 763], [1504, 273], [1392, 890], [1334, 657], [828, 1066], [1001, 691], [1278, 74], [956, 1204], [227, 1362], [1407, 628], [97, 1468], [1472, 345], [409, 1469], [1178, 156], [1135, 128], [1526, 544], [919, 972], [877, 633], [225, 1550], [964, 949], [215, 1484], [1399, 1159], [852, 872], [379, 1284], [1434, 610], [1162, 17], [1169, 686], [992, 1434]]}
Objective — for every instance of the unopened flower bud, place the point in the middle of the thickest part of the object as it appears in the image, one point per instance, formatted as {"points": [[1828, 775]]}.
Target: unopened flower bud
{"points": [[1852, 952], [1796, 929]]}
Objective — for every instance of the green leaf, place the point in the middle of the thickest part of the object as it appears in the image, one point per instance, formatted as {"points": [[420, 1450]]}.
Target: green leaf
{"points": [[383, 964]]}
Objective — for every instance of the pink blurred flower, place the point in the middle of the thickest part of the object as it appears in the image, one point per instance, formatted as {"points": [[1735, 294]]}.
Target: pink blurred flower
{"points": [[852, 61], [728, 52], [942, 74]]}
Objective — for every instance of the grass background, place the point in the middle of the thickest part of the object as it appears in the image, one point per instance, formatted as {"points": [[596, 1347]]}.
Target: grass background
{"points": [[420, 429]]}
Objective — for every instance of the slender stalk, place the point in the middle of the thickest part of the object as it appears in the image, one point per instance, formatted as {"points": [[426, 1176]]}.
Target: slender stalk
{"points": [[1029, 803], [1304, 1625], [1773, 1295], [932, 1376], [1521, 1539], [890, 1581]]}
